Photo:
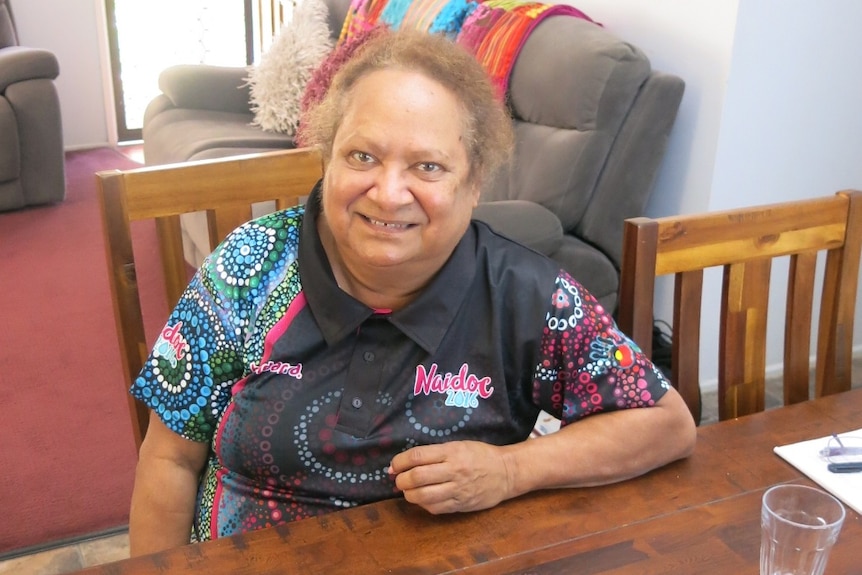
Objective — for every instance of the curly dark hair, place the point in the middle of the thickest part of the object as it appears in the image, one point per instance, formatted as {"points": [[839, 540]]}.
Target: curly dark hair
{"points": [[488, 133]]}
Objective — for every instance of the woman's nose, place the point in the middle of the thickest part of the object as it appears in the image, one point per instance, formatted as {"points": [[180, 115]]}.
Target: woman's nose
{"points": [[390, 188]]}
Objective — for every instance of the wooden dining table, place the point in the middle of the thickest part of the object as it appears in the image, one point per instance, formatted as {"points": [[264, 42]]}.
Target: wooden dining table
{"points": [[698, 515]]}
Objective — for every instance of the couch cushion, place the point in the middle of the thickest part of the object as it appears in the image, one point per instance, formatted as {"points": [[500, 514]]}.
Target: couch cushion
{"points": [[590, 267], [10, 145], [554, 167], [525, 222], [178, 134], [204, 87], [610, 76]]}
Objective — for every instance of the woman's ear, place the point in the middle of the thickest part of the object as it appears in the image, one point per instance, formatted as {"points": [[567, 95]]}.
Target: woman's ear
{"points": [[476, 191]]}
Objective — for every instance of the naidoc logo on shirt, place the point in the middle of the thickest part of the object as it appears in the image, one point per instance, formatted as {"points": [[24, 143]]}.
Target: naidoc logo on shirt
{"points": [[171, 344], [462, 389]]}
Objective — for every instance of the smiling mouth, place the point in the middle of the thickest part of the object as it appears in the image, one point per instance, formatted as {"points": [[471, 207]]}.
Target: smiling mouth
{"points": [[386, 225]]}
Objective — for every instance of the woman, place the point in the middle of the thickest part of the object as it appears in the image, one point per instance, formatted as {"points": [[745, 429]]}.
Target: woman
{"points": [[378, 343]]}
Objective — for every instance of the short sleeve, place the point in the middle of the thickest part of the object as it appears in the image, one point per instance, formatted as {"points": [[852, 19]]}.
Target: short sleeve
{"points": [[587, 365], [204, 347], [187, 378]]}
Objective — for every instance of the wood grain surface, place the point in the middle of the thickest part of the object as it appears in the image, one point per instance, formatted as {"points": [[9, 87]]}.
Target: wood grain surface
{"points": [[700, 515]]}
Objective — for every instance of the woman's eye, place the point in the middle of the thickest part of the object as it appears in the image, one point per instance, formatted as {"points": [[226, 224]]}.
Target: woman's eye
{"points": [[361, 157], [429, 167]]}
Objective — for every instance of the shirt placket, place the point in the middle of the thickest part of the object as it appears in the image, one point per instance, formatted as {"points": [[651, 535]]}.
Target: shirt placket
{"points": [[358, 407]]}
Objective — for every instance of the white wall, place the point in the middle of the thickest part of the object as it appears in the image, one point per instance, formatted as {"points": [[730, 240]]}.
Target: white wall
{"points": [[770, 111]]}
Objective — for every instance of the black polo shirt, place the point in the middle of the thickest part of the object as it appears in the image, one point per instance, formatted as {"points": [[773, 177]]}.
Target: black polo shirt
{"points": [[307, 393]]}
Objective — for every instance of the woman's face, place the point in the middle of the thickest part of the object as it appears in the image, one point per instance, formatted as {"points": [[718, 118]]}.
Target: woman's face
{"points": [[397, 190]]}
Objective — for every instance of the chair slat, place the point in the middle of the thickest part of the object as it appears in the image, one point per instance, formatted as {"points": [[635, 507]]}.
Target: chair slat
{"points": [[171, 249], [742, 339], [797, 327], [835, 330], [688, 295], [222, 221]]}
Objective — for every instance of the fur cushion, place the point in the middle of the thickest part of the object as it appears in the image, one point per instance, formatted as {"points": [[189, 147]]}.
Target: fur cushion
{"points": [[278, 81]]}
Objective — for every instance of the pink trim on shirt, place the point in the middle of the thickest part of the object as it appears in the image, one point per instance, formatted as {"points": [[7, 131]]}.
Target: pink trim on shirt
{"points": [[269, 341], [216, 498], [281, 326]]}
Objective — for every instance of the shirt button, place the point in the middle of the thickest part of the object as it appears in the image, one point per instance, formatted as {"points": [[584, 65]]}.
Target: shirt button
{"points": [[356, 402], [368, 356]]}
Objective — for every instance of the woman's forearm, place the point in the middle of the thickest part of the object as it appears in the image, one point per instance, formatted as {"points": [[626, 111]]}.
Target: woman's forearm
{"points": [[605, 448], [166, 485], [163, 504]]}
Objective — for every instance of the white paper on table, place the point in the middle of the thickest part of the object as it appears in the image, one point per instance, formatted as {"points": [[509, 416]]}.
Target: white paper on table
{"points": [[805, 456]]}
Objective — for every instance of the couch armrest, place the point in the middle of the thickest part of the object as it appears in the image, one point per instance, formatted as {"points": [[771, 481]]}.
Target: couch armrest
{"points": [[19, 63], [205, 87], [157, 105], [525, 222]]}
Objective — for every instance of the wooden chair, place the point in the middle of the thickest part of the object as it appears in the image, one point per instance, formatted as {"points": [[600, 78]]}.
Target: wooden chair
{"points": [[225, 189], [744, 242]]}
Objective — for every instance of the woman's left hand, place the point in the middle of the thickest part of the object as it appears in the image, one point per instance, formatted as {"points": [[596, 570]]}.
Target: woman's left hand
{"points": [[454, 476]]}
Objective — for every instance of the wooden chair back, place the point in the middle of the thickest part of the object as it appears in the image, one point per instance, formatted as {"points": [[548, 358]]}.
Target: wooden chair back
{"points": [[224, 188], [745, 242]]}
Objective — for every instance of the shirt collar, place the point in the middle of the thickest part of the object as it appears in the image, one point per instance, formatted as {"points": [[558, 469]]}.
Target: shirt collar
{"points": [[428, 317], [425, 320], [338, 314]]}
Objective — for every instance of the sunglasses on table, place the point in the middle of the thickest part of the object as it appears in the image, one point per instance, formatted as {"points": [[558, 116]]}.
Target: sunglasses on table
{"points": [[843, 454]]}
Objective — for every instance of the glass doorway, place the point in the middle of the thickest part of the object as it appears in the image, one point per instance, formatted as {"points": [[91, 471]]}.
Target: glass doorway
{"points": [[147, 37]]}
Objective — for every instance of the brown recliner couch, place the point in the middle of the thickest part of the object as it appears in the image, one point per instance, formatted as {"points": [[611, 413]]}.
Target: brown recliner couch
{"points": [[32, 170], [592, 120]]}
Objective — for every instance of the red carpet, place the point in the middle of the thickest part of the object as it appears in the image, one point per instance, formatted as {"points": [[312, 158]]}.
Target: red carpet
{"points": [[66, 452]]}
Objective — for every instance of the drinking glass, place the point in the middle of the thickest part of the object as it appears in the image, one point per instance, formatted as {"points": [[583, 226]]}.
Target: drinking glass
{"points": [[799, 526]]}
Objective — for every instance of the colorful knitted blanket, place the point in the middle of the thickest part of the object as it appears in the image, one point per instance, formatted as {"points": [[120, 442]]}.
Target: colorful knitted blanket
{"points": [[492, 30]]}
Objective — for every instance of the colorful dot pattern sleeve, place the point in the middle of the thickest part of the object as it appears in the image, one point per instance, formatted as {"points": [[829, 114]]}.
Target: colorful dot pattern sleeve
{"points": [[587, 365], [203, 349]]}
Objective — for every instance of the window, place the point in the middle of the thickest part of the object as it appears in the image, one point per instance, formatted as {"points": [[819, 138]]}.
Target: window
{"points": [[147, 37]]}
